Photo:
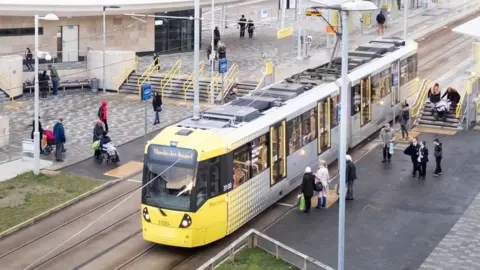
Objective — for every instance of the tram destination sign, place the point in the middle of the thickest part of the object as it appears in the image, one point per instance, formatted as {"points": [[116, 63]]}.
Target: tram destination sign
{"points": [[170, 155]]}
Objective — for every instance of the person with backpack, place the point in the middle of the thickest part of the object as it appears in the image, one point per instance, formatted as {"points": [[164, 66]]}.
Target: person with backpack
{"points": [[322, 182], [381, 23], [403, 118], [102, 114]]}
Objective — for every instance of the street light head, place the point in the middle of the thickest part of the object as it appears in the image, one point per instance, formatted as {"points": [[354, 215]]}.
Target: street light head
{"points": [[48, 57], [50, 17], [105, 7]]}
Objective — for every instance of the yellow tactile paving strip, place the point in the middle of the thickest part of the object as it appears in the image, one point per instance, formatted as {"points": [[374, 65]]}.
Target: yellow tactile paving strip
{"points": [[476, 127], [331, 198], [435, 130], [411, 134], [126, 169]]}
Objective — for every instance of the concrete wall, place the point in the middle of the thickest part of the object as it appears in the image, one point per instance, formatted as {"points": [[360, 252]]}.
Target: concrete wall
{"points": [[11, 71], [123, 33], [117, 64], [4, 138]]}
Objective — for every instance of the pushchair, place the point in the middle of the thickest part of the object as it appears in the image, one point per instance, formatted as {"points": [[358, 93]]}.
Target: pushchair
{"points": [[441, 108], [48, 141], [107, 150]]}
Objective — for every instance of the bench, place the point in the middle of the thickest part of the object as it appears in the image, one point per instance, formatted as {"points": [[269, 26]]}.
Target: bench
{"points": [[64, 84], [28, 147]]}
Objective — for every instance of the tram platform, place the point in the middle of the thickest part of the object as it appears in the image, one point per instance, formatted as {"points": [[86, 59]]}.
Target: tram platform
{"points": [[396, 220]]}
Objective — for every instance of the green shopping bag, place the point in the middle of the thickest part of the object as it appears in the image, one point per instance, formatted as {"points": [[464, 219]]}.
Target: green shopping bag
{"points": [[95, 145], [302, 202]]}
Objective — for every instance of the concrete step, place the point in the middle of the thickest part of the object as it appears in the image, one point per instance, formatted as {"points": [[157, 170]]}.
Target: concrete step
{"points": [[447, 119], [438, 123], [434, 126]]}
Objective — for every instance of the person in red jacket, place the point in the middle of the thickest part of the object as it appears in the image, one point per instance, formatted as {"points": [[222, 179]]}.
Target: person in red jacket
{"points": [[102, 114]]}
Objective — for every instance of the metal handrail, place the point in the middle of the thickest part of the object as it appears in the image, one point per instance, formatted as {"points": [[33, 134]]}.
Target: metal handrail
{"points": [[417, 107], [190, 80], [250, 239], [458, 110], [260, 83], [215, 82], [136, 64], [123, 78], [169, 77], [146, 75], [8, 84]]}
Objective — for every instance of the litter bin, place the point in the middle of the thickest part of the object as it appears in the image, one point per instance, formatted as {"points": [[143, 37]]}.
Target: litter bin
{"points": [[94, 85]]}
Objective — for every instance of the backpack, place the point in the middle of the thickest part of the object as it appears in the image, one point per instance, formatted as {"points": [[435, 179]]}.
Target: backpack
{"points": [[100, 113], [406, 114]]}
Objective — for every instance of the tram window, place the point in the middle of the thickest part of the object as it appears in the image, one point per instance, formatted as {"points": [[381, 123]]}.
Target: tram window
{"points": [[259, 154], [334, 111], [214, 177], [381, 85], [201, 183], [278, 152], [403, 72], [294, 134], [323, 126], [412, 67], [241, 165], [356, 99], [309, 125]]}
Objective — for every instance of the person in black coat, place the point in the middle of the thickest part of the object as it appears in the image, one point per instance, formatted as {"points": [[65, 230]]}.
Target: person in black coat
{"points": [[351, 177], [422, 160], [157, 107], [43, 84], [40, 130], [438, 157], [453, 96], [242, 23], [250, 27], [308, 187], [216, 36], [412, 151]]}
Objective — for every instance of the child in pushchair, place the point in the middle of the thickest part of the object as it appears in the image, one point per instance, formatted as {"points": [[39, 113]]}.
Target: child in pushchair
{"points": [[106, 150], [440, 109], [48, 141]]}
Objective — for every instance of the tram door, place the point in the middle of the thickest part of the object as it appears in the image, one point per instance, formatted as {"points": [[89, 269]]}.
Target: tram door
{"points": [[395, 83], [324, 138], [365, 101], [278, 157]]}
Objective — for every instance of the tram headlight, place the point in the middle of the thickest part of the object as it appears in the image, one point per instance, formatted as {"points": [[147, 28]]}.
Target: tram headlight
{"points": [[186, 221], [145, 214]]}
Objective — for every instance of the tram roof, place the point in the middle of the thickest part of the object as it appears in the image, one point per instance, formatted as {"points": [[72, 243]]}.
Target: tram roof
{"points": [[470, 28]]}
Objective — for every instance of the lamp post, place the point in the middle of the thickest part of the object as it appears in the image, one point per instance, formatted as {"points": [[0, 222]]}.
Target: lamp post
{"points": [[36, 134], [105, 44], [345, 8], [405, 19]]}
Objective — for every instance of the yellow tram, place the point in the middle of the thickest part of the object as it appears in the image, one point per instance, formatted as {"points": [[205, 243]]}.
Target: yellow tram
{"points": [[205, 178]]}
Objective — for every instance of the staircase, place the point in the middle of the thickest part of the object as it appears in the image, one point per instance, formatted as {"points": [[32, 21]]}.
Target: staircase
{"points": [[244, 88], [427, 118], [174, 90]]}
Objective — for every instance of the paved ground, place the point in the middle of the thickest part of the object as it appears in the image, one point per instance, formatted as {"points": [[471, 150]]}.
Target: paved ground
{"points": [[395, 220], [79, 111]]}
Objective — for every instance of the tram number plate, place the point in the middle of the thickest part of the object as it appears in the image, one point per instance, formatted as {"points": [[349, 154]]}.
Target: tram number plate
{"points": [[164, 223]]}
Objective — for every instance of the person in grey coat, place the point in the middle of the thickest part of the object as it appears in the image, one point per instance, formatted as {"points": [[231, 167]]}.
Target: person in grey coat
{"points": [[387, 136], [403, 118]]}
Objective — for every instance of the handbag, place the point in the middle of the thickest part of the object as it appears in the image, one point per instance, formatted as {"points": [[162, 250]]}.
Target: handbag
{"points": [[390, 148], [318, 187], [301, 202]]}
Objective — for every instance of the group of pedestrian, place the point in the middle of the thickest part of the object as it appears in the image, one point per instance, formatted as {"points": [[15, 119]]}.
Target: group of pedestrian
{"points": [[248, 25], [418, 153], [59, 135], [43, 77], [319, 183], [443, 103]]}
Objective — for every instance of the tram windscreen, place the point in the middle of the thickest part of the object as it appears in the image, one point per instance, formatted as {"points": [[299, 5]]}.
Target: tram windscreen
{"points": [[169, 177]]}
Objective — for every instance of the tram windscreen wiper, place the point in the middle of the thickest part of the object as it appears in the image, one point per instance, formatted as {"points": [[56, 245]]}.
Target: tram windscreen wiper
{"points": [[162, 212]]}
